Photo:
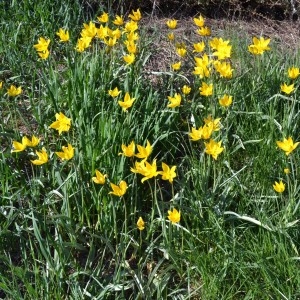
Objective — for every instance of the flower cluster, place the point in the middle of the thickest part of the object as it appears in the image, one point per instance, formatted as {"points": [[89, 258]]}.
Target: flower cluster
{"points": [[206, 91], [146, 169], [127, 100], [61, 124], [205, 132], [111, 34], [211, 58], [293, 73]]}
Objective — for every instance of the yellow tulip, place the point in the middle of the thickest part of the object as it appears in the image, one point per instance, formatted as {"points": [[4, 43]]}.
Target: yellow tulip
{"points": [[62, 123], [14, 91], [140, 224], [287, 88], [279, 187], [103, 18], [172, 23], [287, 145], [213, 148], [114, 93], [42, 157], [168, 173], [174, 101], [129, 150], [135, 15], [259, 46], [127, 103], [174, 215], [100, 178], [63, 35], [67, 153], [119, 190], [225, 101], [206, 89], [144, 152]]}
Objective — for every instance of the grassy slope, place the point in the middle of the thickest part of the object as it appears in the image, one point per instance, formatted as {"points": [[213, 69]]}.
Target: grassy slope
{"points": [[64, 237]]}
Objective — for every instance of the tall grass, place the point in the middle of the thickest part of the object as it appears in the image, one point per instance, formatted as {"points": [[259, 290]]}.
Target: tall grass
{"points": [[65, 237]]}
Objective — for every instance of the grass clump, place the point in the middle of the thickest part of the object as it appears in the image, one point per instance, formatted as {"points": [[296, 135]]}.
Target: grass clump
{"points": [[122, 183]]}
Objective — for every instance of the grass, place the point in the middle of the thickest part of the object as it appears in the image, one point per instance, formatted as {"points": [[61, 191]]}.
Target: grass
{"points": [[65, 237]]}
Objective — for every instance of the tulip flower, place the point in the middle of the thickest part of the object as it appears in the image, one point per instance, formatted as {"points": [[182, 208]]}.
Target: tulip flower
{"points": [[206, 89], [279, 187], [67, 153], [287, 88], [129, 150], [14, 91], [140, 224], [118, 190], [62, 123], [100, 178], [174, 215], [63, 35], [168, 173], [259, 46], [213, 148], [287, 145], [144, 152], [225, 101], [174, 101], [127, 103], [172, 23], [42, 157]]}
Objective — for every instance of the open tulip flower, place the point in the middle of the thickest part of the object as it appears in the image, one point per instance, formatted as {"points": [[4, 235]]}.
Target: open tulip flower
{"points": [[67, 153], [259, 46], [42, 44], [14, 91], [174, 101], [213, 148], [135, 15], [127, 103], [129, 150], [199, 21], [100, 178], [62, 123], [287, 89], [144, 152], [42, 157], [19, 147], [293, 72], [114, 93], [174, 215], [279, 187], [63, 35], [168, 173], [287, 145], [118, 190], [172, 23], [206, 89]]}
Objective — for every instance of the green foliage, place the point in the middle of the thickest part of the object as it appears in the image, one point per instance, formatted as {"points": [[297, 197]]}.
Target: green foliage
{"points": [[63, 236]]}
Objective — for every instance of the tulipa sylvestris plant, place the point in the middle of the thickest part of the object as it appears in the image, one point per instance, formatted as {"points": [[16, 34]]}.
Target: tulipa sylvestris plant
{"points": [[189, 136]]}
